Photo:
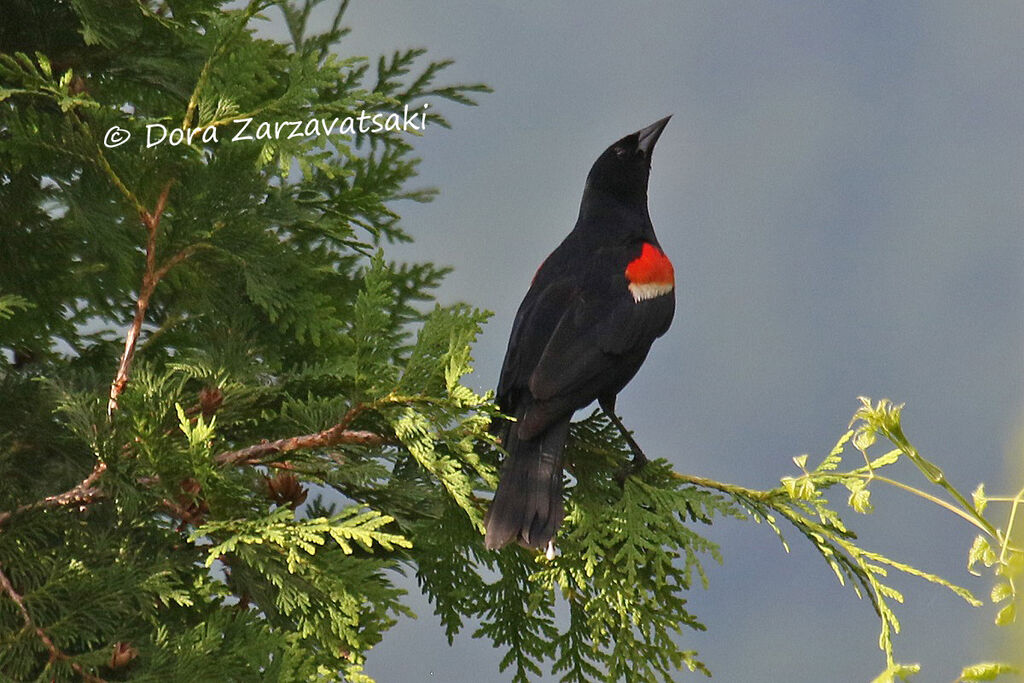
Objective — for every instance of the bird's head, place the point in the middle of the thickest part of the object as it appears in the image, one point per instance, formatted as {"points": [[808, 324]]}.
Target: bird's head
{"points": [[623, 169]]}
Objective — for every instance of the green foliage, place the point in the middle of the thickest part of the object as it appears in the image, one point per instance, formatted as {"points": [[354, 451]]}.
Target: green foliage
{"points": [[11, 303], [985, 672], [867, 571], [271, 313], [627, 555], [156, 522], [801, 502], [883, 419]]}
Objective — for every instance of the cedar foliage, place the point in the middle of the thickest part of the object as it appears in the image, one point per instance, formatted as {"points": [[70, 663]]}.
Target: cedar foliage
{"points": [[226, 489]]}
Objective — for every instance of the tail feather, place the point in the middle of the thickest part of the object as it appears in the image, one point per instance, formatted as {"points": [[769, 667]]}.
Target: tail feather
{"points": [[527, 506]]}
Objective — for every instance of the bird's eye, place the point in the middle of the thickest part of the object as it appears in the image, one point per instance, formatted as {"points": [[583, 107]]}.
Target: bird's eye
{"points": [[621, 153]]}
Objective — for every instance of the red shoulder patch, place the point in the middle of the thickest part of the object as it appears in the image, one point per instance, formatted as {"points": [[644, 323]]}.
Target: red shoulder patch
{"points": [[651, 267], [650, 274]]}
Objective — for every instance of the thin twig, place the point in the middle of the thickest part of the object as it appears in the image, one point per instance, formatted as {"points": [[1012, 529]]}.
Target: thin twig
{"points": [[55, 653], [925, 495], [1005, 542], [84, 492], [338, 434], [150, 278], [204, 74], [894, 433], [101, 159], [158, 276], [731, 489], [332, 436], [166, 325], [178, 258]]}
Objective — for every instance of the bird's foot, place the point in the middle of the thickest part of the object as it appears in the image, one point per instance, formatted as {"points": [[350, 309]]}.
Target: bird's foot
{"points": [[639, 459], [632, 468]]}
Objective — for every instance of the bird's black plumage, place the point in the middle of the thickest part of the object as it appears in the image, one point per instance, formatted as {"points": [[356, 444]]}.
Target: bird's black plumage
{"points": [[594, 308]]}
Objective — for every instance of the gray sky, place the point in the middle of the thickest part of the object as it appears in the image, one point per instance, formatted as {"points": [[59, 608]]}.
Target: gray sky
{"points": [[841, 190]]}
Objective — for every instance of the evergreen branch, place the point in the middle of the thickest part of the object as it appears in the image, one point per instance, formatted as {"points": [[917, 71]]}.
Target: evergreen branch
{"points": [[777, 500], [800, 499], [731, 489], [152, 222], [9, 303], [55, 653], [178, 258], [123, 573], [150, 278], [166, 325], [84, 492], [59, 95], [101, 159], [335, 23], [332, 436], [251, 9]]}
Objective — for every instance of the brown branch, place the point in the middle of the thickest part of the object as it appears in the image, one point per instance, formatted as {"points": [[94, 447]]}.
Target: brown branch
{"points": [[338, 434], [55, 653], [150, 278], [152, 222], [176, 259], [83, 493]]}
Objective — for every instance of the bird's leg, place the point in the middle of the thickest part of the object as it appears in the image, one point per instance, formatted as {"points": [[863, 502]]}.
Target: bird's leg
{"points": [[639, 459]]}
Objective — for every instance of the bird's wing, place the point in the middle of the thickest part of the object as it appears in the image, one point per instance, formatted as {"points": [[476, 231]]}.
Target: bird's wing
{"points": [[537, 318], [590, 338]]}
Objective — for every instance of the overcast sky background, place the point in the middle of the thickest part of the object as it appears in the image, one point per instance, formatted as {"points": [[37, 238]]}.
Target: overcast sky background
{"points": [[841, 189]]}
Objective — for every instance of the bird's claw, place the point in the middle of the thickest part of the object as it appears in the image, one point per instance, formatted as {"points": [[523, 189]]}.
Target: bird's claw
{"points": [[632, 468]]}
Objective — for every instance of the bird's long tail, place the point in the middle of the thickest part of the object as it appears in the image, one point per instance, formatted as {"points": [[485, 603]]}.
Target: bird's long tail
{"points": [[527, 507]]}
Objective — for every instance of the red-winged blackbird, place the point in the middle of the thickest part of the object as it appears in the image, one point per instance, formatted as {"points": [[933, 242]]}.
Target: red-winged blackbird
{"points": [[594, 308]]}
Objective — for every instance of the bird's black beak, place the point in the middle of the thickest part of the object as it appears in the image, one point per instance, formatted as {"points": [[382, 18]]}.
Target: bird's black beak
{"points": [[649, 135]]}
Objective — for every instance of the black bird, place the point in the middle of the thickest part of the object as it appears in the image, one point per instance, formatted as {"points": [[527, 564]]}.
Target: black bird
{"points": [[594, 308]]}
